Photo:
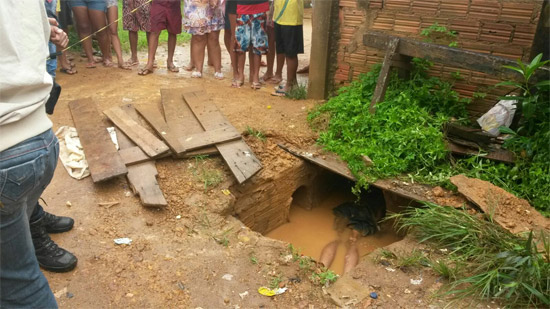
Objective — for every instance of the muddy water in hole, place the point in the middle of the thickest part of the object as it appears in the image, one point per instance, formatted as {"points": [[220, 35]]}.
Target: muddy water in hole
{"points": [[311, 230]]}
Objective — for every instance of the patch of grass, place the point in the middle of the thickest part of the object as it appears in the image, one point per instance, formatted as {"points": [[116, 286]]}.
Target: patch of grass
{"points": [[414, 259], [496, 264], [298, 92], [317, 275], [253, 259], [210, 177], [256, 133], [223, 239], [275, 281], [324, 277]]}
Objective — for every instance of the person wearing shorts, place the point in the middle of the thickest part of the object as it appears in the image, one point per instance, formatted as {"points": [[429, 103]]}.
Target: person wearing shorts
{"points": [[230, 17], [90, 17], [288, 16], [165, 15], [112, 19], [134, 22], [250, 35], [269, 76]]}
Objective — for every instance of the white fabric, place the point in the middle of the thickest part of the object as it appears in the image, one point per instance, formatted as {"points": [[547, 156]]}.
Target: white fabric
{"points": [[71, 153], [499, 115], [24, 83]]}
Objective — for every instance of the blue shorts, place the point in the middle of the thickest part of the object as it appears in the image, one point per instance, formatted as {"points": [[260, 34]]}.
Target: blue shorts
{"points": [[250, 32], [98, 5]]}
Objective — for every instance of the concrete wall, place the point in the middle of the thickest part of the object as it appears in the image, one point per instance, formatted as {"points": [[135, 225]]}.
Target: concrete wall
{"points": [[503, 28]]}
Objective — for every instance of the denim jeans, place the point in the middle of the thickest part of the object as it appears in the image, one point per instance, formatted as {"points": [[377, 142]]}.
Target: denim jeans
{"points": [[25, 171], [51, 64]]}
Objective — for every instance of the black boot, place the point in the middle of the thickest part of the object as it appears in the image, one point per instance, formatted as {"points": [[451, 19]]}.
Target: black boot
{"points": [[49, 255], [57, 224]]}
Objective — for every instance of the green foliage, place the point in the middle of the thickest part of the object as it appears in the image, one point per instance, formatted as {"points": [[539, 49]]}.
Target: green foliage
{"points": [[496, 264], [275, 281], [317, 274], [413, 110], [436, 33], [324, 277], [298, 92], [256, 133], [209, 176]]}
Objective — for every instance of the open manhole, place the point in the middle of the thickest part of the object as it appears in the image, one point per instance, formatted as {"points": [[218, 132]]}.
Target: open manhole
{"points": [[297, 206]]}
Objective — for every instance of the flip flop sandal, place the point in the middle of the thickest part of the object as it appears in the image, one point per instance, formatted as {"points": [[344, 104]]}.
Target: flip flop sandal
{"points": [[256, 86], [279, 93], [280, 87], [173, 69], [196, 74], [144, 72], [218, 75], [90, 66], [68, 71], [236, 83], [124, 66], [131, 63]]}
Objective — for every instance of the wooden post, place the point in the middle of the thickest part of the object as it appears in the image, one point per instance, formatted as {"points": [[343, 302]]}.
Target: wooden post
{"points": [[320, 47], [384, 77]]}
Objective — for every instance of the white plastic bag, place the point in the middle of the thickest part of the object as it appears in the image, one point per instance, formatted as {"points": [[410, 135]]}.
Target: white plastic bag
{"points": [[499, 115]]}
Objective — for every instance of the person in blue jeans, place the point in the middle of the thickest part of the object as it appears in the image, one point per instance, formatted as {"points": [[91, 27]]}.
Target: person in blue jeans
{"points": [[28, 148]]}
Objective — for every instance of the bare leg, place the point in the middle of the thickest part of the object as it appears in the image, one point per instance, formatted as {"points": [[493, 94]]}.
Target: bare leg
{"points": [[172, 40], [133, 38], [230, 49], [191, 64], [270, 54], [197, 51], [84, 28], [280, 65], [352, 254], [214, 50], [98, 20], [291, 67], [328, 253], [112, 16], [241, 59], [255, 74], [152, 49]]}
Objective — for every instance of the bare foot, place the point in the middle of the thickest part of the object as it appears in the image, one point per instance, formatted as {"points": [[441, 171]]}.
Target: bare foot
{"points": [[189, 67]]}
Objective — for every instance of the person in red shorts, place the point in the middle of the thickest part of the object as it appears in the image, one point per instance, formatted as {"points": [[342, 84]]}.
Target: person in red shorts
{"points": [[165, 15]]}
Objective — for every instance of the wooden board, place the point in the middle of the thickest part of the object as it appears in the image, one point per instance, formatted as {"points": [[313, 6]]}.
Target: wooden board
{"points": [[178, 115], [501, 155], [241, 160], [132, 155], [456, 57], [153, 116], [103, 159], [384, 76], [141, 176], [150, 144], [211, 137]]}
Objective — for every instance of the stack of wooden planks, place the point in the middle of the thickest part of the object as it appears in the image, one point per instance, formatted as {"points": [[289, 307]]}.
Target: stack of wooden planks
{"points": [[188, 125]]}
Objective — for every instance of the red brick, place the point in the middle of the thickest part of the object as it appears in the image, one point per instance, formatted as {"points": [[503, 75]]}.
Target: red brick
{"points": [[510, 52], [384, 21], [454, 7], [467, 29], [524, 34], [398, 4], [477, 47], [407, 23], [484, 9], [517, 12], [495, 32], [348, 3], [425, 6], [375, 4]]}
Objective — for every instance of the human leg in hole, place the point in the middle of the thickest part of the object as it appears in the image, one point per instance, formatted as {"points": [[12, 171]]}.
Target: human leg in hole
{"points": [[214, 50], [198, 44], [172, 40], [99, 20], [112, 16]]}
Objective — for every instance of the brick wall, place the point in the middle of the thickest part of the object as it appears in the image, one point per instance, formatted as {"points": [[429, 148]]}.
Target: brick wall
{"points": [[503, 28]]}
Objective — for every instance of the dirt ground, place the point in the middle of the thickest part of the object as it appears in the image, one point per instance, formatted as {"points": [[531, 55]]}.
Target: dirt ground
{"points": [[193, 253]]}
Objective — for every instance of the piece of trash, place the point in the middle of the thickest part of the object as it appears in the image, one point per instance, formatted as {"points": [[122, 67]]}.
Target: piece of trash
{"points": [[269, 107], [128, 194], [126, 100], [271, 292], [226, 192], [390, 269], [416, 281], [373, 295], [71, 153], [407, 291], [61, 292], [443, 250], [246, 153], [227, 277], [108, 204], [181, 286], [287, 258], [123, 241], [112, 134], [69, 204], [69, 295], [178, 217], [129, 295], [308, 154], [243, 294], [294, 280]]}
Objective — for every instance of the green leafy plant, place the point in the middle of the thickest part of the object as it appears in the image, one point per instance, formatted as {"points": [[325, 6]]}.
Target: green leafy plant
{"points": [[275, 281], [436, 33], [324, 277], [210, 177], [496, 264], [298, 92], [256, 133], [253, 260]]}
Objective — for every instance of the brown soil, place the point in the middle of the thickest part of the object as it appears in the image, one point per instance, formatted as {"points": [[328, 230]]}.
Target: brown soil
{"points": [[512, 213], [179, 255]]}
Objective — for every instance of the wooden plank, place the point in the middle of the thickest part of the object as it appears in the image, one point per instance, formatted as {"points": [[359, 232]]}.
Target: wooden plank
{"points": [[208, 138], [150, 144], [470, 134], [178, 115], [501, 155], [133, 155], [241, 160], [456, 57], [384, 76], [153, 116], [103, 159], [141, 176]]}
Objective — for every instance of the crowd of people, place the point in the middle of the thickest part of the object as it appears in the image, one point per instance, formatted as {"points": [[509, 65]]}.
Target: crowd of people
{"points": [[257, 27]]}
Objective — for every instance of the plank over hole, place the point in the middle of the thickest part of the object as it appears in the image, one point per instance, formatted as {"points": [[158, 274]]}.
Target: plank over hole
{"points": [[150, 144], [153, 116], [207, 138], [103, 159]]}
